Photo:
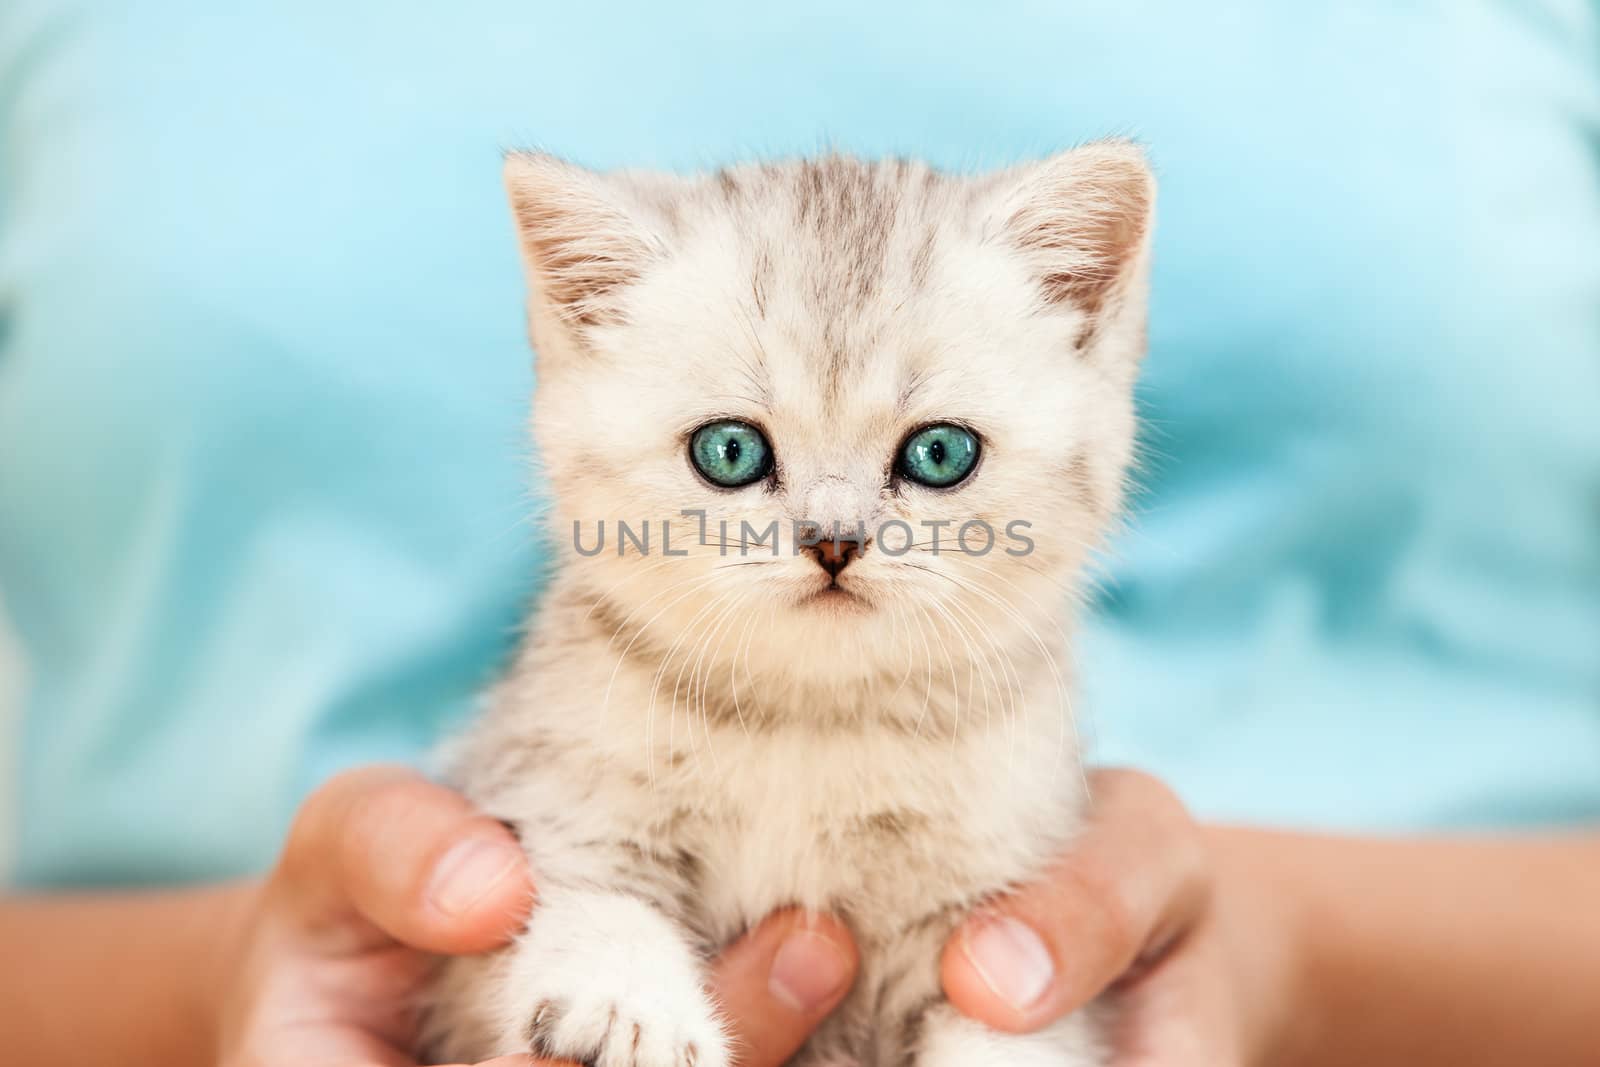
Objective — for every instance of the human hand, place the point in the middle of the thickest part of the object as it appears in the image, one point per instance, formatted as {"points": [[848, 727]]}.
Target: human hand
{"points": [[1140, 908], [383, 872]]}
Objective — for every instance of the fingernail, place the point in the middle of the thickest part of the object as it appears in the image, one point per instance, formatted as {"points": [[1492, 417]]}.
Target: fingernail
{"points": [[807, 972], [469, 872], [1011, 959]]}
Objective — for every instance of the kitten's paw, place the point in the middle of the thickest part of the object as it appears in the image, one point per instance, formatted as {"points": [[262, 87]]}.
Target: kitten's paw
{"points": [[606, 980], [952, 1040], [639, 1032]]}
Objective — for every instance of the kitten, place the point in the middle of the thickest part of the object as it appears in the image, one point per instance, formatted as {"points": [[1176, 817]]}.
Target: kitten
{"points": [[874, 726]]}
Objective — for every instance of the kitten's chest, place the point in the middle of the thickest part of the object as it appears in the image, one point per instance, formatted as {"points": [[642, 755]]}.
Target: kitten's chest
{"points": [[872, 826]]}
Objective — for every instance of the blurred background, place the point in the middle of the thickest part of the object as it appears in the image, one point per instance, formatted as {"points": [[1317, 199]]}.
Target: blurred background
{"points": [[11, 685], [264, 486]]}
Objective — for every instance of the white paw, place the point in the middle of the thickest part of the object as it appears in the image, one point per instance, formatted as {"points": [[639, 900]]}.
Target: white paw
{"points": [[624, 1033], [606, 980], [952, 1040]]}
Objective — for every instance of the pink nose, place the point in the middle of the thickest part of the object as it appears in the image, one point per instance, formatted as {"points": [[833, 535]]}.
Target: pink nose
{"points": [[834, 556]]}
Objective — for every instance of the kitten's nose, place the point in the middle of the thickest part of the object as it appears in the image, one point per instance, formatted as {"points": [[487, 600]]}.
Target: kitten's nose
{"points": [[834, 556]]}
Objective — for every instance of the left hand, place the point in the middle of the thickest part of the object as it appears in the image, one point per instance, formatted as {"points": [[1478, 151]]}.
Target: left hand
{"points": [[383, 873], [1139, 911]]}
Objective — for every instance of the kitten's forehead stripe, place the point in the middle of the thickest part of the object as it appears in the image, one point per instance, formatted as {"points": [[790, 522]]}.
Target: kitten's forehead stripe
{"points": [[850, 207], [857, 228], [922, 261], [761, 280]]}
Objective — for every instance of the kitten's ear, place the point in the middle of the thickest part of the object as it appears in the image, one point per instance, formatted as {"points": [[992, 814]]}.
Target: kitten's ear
{"points": [[580, 241], [1083, 218]]}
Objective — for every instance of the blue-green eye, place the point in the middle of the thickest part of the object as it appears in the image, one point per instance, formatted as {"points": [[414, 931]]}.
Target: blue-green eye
{"points": [[730, 453], [939, 456]]}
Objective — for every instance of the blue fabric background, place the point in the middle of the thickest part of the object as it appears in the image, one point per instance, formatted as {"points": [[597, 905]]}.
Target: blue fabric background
{"points": [[262, 377]]}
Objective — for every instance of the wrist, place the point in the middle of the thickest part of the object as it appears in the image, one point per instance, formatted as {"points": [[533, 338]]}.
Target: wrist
{"points": [[224, 921], [1267, 941]]}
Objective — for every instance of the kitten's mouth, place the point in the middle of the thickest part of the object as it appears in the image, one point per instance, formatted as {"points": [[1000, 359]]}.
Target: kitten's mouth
{"points": [[834, 595]]}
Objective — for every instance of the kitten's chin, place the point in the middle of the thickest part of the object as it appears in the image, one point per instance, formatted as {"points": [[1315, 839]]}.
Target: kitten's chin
{"points": [[835, 600]]}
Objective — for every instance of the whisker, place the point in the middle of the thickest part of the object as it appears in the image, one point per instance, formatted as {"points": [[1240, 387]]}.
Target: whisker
{"points": [[733, 667], [927, 692], [605, 595], [961, 633], [701, 685], [1066, 720], [666, 661]]}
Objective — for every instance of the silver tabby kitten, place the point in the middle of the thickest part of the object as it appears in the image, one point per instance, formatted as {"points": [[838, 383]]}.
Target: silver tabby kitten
{"points": [[740, 717]]}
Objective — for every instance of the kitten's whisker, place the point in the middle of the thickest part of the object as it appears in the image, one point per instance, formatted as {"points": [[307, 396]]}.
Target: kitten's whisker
{"points": [[672, 710], [1044, 612], [741, 649], [1014, 693], [1066, 588], [733, 661], [1067, 716], [647, 601], [1067, 719], [622, 657], [927, 649], [649, 727], [697, 683], [736, 542], [605, 595], [966, 641], [975, 659], [666, 661], [899, 612]]}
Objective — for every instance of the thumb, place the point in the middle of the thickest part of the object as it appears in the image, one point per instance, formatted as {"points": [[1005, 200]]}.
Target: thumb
{"points": [[381, 854], [1133, 883], [779, 981]]}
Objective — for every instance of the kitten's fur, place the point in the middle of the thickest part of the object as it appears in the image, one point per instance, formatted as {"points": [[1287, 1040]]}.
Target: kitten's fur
{"points": [[685, 744]]}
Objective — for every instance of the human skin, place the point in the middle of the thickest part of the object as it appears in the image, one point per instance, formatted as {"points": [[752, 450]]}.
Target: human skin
{"points": [[1219, 945], [318, 962], [1232, 946]]}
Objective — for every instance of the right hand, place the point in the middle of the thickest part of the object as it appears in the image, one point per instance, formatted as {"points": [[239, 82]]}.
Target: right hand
{"points": [[1197, 966], [383, 872]]}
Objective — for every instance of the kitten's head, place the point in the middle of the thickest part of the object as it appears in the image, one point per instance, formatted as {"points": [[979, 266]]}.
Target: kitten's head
{"points": [[879, 345]]}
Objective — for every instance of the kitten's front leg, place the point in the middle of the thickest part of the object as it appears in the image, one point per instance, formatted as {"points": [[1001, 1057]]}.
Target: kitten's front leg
{"points": [[603, 978], [950, 1039]]}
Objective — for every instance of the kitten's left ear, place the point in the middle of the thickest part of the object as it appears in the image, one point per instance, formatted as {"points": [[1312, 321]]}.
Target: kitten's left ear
{"points": [[580, 239], [1083, 218]]}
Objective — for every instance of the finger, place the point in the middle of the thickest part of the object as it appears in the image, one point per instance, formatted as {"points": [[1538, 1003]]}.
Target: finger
{"points": [[1129, 887], [779, 981], [1178, 1013], [381, 853]]}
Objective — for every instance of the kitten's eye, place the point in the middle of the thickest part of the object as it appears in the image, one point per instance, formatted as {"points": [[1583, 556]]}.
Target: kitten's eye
{"points": [[730, 453], [939, 456]]}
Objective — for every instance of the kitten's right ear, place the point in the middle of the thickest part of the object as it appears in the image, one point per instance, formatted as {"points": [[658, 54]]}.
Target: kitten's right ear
{"points": [[579, 241]]}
